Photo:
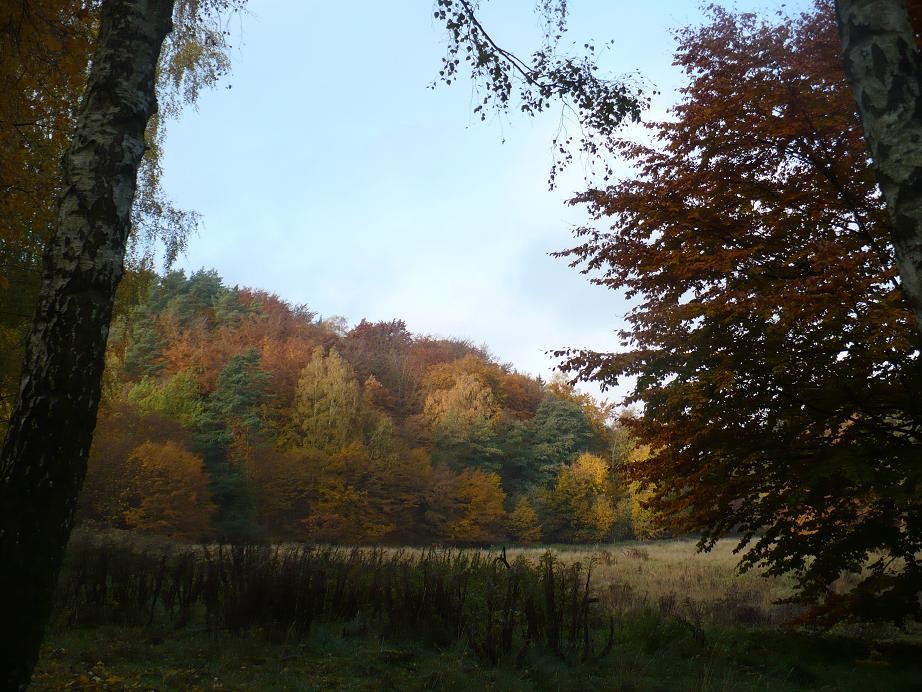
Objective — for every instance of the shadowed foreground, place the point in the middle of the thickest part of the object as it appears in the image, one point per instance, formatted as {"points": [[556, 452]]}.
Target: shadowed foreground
{"points": [[654, 616]]}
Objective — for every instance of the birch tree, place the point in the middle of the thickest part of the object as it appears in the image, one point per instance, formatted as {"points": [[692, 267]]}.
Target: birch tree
{"points": [[884, 66], [43, 460]]}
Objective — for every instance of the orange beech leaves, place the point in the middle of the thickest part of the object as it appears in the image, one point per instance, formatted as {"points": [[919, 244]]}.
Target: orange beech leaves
{"points": [[774, 354], [466, 507]]}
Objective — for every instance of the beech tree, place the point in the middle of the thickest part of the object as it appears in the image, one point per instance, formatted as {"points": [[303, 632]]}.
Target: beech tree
{"points": [[773, 350], [466, 507], [379, 350], [168, 492], [579, 507], [284, 484], [523, 523]]}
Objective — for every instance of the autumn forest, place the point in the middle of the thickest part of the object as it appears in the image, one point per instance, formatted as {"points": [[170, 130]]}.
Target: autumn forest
{"points": [[230, 415], [205, 485]]}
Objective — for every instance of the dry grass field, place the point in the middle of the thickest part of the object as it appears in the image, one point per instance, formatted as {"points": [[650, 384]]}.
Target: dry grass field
{"points": [[673, 578]]}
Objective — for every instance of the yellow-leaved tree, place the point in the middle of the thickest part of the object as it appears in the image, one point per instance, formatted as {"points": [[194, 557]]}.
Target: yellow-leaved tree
{"points": [[523, 524], [461, 408], [327, 403], [465, 507], [644, 521], [461, 402], [580, 508]]}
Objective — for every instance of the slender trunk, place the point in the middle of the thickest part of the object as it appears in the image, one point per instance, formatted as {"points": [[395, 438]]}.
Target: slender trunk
{"points": [[43, 461], [885, 68]]}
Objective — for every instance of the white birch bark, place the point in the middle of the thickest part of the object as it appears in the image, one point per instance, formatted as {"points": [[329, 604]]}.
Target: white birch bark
{"points": [[884, 66], [43, 461]]}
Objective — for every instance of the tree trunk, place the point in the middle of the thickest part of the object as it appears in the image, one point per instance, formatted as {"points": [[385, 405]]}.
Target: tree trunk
{"points": [[43, 461], [884, 66]]}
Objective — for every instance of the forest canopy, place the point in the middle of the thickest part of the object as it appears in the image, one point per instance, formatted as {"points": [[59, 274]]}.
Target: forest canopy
{"points": [[245, 418]]}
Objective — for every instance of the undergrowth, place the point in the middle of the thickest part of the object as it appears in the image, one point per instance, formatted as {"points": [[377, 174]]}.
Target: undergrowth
{"points": [[439, 596]]}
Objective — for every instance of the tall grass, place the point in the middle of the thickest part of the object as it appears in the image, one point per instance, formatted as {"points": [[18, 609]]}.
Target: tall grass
{"points": [[182, 617], [438, 596]]}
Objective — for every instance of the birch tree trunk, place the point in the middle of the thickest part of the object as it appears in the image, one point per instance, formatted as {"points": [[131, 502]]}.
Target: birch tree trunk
{"points": [[884, 66], [43, 460]]}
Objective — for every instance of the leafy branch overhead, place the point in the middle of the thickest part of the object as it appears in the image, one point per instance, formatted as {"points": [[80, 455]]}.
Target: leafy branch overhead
{"points": [[505, 81]]}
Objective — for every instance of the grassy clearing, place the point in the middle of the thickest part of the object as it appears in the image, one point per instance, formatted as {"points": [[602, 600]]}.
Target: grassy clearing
{"points": [[671, 577], [681, 621]]}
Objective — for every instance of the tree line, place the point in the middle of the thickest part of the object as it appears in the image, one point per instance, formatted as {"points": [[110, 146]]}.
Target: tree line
{"points": [[231, 415]]}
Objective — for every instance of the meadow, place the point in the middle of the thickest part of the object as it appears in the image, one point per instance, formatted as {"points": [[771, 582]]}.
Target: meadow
{"points": [[631, 616]]}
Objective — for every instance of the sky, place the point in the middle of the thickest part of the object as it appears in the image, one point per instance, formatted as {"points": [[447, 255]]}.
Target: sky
{"points": [[326, 170]]}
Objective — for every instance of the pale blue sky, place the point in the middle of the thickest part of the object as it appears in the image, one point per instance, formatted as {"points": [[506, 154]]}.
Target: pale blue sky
{"points": [[330, 174]]}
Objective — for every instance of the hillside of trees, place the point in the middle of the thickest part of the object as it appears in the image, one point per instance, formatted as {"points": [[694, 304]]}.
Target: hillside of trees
{"points": [[769, 234], [229, 414]]}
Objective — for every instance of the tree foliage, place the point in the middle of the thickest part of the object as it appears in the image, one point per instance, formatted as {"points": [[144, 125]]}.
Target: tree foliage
{"points": [[141, 476], [504, 81], [523, 523], [177, 397], [466, 507], [327, 405], [773, 351], [559, 432], [115, 140], [295, 445], [169, 492], [579, 508], [45, 49]]}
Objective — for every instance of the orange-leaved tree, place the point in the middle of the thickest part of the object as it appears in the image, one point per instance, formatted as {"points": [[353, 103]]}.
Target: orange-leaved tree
{"points": [[466, 507], [142, 476], [773, 350], [168, 492]]}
